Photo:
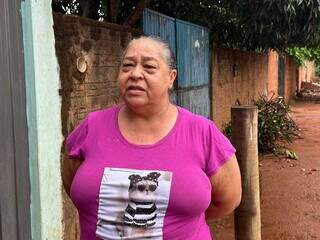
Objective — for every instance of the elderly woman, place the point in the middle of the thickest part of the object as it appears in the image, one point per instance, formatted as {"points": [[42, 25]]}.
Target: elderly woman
{"points": [[147, 169]]}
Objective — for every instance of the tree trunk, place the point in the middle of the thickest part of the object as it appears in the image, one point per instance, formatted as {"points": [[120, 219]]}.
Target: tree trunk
{"points": [[113, 10], [90, 8], [135, 15], [245, 139]]}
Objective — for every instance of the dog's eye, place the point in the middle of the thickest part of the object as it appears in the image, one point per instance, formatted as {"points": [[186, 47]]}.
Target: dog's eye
{"points": [[141, 188], [152, 187]]}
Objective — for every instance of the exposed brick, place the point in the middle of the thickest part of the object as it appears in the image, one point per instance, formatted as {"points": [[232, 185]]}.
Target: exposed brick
{"points": [[101, 44]]}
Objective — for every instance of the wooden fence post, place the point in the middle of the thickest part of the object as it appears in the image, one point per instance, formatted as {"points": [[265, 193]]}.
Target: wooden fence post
{"points": [[245, 139]]}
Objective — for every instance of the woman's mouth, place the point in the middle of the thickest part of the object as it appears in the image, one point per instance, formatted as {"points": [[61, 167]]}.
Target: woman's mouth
{"points": [[135, 90]]}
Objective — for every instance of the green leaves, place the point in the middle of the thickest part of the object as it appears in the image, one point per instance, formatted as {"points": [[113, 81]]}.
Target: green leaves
{"points": [[301, 55], [244, 24], [276, 128], [253, 24], [291, 154]]}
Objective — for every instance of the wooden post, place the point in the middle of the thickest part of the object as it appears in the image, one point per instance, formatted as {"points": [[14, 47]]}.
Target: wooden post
{"points": [[245, 139]]}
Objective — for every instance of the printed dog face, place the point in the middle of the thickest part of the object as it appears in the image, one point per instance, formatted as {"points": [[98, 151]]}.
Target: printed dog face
{"points": [[142, 189], [134, 212]]}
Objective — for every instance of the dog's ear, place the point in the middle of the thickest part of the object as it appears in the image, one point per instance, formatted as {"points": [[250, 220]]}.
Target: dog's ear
{"points": [[154, 175], [134, 178]]}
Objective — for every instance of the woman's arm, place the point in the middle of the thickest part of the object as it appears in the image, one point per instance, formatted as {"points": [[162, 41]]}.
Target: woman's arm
{"points": [[226, 190], [69, 169]]}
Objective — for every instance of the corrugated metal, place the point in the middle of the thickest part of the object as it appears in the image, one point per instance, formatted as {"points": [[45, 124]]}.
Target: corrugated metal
{"points": [[159, 25], [174, 97], [192, 54], [196, 100]]}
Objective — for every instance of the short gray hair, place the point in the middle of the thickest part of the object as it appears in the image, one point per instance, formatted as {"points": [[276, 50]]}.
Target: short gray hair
{"points": [[167, 52]]}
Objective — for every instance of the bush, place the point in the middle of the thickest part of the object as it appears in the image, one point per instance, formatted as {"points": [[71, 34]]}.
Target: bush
{"points": [[317, 69], [276, 128]]}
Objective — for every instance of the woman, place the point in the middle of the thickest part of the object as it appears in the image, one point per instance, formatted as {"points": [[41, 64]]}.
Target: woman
{"points": [[148, 169]]}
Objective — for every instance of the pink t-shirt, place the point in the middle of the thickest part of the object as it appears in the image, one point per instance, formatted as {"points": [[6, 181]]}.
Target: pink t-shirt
{"points": [[158, 191]]}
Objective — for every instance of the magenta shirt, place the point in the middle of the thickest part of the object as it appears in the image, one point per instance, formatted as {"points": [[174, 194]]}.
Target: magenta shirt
{"points": [[158, 191]]}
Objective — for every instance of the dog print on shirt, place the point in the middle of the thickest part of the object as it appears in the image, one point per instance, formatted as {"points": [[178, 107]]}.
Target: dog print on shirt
{"points": [[132, 204]]}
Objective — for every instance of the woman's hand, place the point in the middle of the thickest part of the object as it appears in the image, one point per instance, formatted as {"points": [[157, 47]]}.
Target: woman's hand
{"points": [[226, 190], [69, 169]]}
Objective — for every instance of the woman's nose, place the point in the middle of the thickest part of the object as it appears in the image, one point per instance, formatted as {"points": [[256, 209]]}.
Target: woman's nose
{"points": [[136, 72]]}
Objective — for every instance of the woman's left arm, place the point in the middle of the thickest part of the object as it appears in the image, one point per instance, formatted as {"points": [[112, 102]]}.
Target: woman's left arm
{"points": [[226, 189]]}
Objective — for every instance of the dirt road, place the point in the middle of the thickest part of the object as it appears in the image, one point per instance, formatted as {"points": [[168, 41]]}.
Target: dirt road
{"points": [[290, 189]]}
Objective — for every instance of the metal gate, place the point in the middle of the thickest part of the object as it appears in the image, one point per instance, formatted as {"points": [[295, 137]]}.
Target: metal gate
{"points": [[14, 166], [190, 43]]}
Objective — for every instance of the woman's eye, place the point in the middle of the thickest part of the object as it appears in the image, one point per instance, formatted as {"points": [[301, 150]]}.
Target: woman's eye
{"points": [[127, 66], [150, 67]]}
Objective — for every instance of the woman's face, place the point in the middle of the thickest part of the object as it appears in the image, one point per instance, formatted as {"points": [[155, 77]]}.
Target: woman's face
{"points": [[144, 76]]}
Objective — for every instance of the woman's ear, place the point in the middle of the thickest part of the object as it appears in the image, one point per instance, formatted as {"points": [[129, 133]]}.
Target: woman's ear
{"points": [[173, 76]]}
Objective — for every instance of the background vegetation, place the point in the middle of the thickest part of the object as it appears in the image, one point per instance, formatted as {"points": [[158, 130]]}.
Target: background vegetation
{"points": [[276, 128], [243, 24]]}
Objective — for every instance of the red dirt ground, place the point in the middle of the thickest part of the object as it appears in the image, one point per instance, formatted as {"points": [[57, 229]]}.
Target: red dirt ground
{"points": [[290, 189]]}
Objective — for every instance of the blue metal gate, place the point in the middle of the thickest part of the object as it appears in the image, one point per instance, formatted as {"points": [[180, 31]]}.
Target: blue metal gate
{"points": [[190, 43]]}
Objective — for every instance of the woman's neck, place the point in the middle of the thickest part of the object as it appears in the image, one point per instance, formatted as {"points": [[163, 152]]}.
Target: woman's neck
{"points": [[147, 127], [147, 114]]}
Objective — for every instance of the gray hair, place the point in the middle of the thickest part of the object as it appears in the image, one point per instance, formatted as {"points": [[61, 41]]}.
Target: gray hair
{"points": [[167, 52]]}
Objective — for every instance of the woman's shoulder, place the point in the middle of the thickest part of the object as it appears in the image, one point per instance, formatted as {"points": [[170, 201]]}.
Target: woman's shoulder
{"points": [[103, 115], [193, 119], [105, 111]]}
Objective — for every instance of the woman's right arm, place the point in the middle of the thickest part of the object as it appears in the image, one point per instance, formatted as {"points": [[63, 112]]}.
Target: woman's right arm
{"points": [[69, 169], [226, 189]]}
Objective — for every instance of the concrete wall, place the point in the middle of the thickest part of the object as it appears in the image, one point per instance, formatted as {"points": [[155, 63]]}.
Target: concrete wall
{"points": [[273, 73], [100, 45], [306, 73], [291, 79], [238, 76]]}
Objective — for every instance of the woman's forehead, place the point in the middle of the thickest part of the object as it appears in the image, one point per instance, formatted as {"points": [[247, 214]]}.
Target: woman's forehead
{"points": [[147, 48]]}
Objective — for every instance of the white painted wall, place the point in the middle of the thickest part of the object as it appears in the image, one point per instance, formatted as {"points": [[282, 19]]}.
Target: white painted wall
{"points": [[44, 119]]}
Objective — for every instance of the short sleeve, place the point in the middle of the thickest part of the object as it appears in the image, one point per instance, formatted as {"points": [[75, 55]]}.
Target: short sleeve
{"points": [[76, 140], [219, 152]]}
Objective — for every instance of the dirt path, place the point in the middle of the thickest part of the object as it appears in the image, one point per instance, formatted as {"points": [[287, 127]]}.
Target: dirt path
{"points": [[290, 189]]}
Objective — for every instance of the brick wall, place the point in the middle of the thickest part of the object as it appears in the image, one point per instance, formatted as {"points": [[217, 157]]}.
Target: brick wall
{"points": [[101, 46], [237, 76]]}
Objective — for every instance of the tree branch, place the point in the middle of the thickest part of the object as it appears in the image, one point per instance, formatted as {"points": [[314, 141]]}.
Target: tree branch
{"points": [[90, 8], [135, 15], [113, 10]]}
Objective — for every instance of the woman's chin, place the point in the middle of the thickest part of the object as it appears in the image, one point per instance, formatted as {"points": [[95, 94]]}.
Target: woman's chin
{"points": [[136, 102]]}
